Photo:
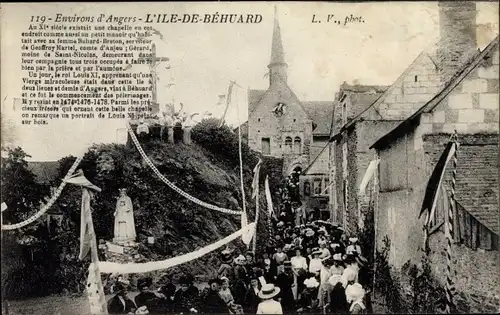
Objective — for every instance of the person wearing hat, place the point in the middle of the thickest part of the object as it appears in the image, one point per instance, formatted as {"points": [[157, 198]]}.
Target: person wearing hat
{"points": [[354, 242], [268, 304], [365, 279], [213, 302], [315, 264], [337, 268], [308, 302], [279, 257], [121, 302], [225, 269], [252, 299], [239, 285], [186, 298], [299, 267], [146, 297], [167, 290], [338, 302], [324, 285], [325, 252], [285, 281], [354, 295]]}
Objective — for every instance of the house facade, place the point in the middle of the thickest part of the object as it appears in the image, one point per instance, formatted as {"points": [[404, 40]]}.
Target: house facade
{"points": [[467, 104]]}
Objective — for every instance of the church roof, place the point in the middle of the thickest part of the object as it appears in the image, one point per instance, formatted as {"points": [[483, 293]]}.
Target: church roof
{"points": [[254, 97], [321, 113], [277, 51]]}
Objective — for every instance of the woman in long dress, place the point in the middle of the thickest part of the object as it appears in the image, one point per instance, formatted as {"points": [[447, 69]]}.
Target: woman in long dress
{"points": [[124, 218]]}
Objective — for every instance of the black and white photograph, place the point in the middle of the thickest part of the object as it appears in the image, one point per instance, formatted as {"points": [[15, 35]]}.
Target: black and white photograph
{"points": [[262, 157]]}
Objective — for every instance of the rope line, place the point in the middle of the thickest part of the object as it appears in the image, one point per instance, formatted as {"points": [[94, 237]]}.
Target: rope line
{"points": [[172, 185], [54, 197]]}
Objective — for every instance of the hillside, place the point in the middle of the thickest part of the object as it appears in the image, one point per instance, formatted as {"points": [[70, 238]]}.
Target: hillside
{"points": [[177, 224]]}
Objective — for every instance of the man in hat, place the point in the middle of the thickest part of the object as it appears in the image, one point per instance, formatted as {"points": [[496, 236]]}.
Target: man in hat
{"points": [[268, 304], [167, 289], [187, 297], [121, 302], [226, 269], [239, 285], [252, 299], [213, 302], [146, 297], [308, 302], [285, 281], [365, 279]]}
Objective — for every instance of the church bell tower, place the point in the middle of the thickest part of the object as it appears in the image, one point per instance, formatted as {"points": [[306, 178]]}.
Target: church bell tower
{"points": [[277, 66]]}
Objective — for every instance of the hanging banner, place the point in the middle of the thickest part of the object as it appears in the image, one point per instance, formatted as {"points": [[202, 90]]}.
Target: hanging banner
{"points": [[368, 175], [268, 198], [110, 267]]}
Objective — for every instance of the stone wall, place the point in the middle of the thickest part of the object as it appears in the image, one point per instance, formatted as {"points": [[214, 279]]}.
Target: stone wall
{"points": [[419, 84], [472, 106]]}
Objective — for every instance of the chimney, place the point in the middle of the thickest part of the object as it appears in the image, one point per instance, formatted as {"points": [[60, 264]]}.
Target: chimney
{"points": [[457, 43]]}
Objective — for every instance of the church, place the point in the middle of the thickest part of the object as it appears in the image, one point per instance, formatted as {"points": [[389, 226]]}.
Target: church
{"points": [[281, 125]]}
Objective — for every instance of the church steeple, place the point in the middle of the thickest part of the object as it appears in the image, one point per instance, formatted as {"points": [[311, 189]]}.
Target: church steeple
{"points": [[277, 65]]}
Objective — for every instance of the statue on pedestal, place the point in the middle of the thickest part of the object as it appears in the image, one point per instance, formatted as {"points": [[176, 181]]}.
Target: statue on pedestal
{"points": [[124, 219]]}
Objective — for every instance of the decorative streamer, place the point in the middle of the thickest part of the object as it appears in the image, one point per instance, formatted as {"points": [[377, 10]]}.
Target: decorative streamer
{"points": [[170, 184], [449, 230], [109, 267]]}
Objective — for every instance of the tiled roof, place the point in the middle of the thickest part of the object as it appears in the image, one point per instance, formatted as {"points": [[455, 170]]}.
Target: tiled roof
{"points": [[321, 113], [44, 171], [477, 183], [254, 97], [358, 88]]}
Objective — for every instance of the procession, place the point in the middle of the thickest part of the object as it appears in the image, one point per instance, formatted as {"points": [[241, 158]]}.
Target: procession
{"points": [[326, 183]]}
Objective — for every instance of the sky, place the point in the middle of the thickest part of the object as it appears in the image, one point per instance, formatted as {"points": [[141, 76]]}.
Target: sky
{"points": [[205, 57]]}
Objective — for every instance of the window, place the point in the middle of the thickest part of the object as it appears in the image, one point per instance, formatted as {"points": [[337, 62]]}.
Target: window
{"points": [[288, 145], [294, 120], [258, 120], [307, 189], [317, 186], [297, 145], [416, 78], [344, 113], [266, 146]]}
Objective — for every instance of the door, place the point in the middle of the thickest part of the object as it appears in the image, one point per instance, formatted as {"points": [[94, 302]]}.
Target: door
{"points": [[266, 146]]}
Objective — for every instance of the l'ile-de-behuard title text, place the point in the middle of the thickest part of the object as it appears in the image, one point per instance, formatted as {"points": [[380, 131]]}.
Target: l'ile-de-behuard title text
{"points": [[88, 67]]}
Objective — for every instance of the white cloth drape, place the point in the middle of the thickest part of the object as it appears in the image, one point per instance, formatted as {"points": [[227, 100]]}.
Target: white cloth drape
{"points": [[110, 267]]}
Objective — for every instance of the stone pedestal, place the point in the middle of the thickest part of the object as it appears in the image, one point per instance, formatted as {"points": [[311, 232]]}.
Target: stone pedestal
{"points": [[187, 135], [170, 134]]}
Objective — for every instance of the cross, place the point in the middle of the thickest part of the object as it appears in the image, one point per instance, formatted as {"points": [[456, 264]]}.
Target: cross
{"points": [[153, 62]]}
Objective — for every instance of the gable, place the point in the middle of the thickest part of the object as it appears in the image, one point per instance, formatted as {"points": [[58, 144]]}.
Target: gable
{"points": [[254, 97], [280, 92], [418, 84]]}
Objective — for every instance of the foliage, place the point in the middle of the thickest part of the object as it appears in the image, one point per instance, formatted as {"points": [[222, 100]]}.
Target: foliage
{"points": [[367, 241], [178, 225], [387, 285]]}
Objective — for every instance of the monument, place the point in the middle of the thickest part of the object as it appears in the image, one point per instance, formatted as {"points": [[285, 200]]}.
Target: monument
{"points": [[124, 232]]}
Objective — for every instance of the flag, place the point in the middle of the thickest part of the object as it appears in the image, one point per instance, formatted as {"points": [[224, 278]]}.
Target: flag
{"points": [[255, 182], [86, 234], [432, 190], [222, 98], [268, 198], [368, 175], [228, 101]]}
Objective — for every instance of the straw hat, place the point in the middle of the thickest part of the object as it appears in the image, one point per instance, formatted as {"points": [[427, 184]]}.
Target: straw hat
{"points": [[311, 283], [143, 310], [268, 291], [309, 232], [354, 292], [316, 251]]}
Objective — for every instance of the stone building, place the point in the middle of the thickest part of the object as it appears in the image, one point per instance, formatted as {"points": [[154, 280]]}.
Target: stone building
{"points": [[417, 85], [469, 104], [359, 126], [281, 125]]}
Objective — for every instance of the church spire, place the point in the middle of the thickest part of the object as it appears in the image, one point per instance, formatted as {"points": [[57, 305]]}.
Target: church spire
{"points": [[277, 65]]}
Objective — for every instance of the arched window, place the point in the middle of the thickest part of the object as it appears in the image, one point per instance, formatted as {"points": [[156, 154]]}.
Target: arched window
{"points": [[288, 145], [297, 145]]}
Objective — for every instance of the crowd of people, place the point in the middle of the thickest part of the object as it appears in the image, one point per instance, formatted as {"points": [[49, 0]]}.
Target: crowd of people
{"points": [[306, 268]]}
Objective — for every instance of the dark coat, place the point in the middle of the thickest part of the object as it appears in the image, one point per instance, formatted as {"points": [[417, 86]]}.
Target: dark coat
{"points": [[251, 302], [338, 301], [213, 304], [115, 305], [285, 281], [145, 299], [184, 301]]}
